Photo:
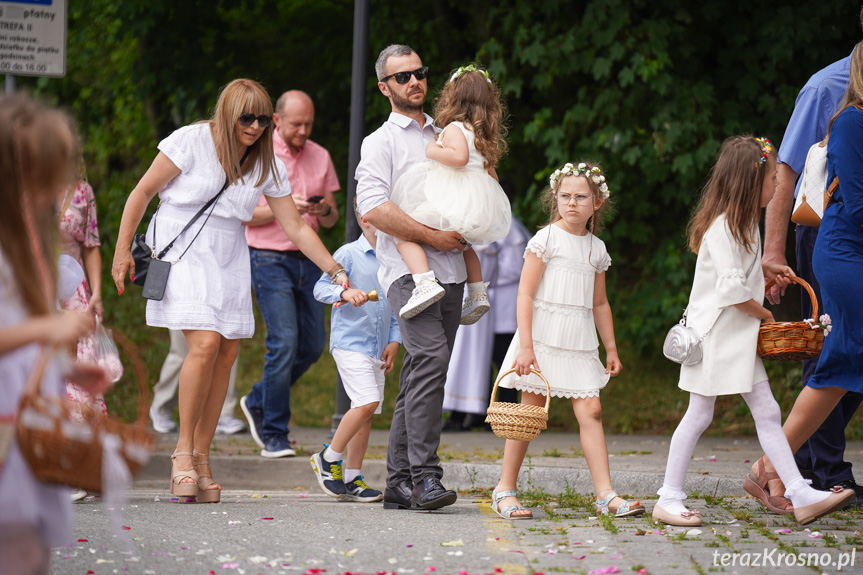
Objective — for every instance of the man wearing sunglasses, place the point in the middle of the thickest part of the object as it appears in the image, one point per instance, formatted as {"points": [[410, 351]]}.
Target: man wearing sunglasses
{"points": [[413, 467], [284, 279]]}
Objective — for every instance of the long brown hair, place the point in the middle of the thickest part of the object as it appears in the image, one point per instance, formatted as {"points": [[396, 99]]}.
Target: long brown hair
{"points": [[597, 221], [37, 155], [854, 93], [239, 97], [734, 188], [476, 102]]}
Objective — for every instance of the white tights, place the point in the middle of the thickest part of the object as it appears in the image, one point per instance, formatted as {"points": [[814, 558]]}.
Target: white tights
{"points": [[768, 425]]}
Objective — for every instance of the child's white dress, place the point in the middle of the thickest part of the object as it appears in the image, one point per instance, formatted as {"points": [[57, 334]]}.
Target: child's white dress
{"points": [[564, 332], [725, 274], [465, 200]]}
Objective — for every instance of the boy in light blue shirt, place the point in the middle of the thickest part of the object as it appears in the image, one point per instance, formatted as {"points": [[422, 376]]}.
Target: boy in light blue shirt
{"points": [[364, 340]]}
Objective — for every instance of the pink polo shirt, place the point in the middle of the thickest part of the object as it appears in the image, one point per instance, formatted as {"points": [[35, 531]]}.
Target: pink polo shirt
{"points": [[311, 173]]}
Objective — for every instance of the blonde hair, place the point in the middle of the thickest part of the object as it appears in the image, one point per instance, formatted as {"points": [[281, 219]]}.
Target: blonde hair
{"points": [[854, 93], [239, 97], [733, 188], [597, 221], [476, 102], [37, 153]]}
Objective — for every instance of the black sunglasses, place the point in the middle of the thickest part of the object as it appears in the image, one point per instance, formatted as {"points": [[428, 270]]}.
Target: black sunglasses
{"points": [[405, 77], [247, 120]]}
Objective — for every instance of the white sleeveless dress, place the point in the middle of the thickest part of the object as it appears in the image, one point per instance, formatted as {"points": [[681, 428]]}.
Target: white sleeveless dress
{"points": [[564, 332], [465, 200]]}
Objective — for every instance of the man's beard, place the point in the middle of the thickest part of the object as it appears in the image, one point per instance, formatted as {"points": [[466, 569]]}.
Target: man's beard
{"points": [[405, 104]]}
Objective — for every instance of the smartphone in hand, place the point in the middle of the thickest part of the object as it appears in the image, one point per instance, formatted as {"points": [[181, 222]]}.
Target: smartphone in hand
{"points": [[314, 199]]}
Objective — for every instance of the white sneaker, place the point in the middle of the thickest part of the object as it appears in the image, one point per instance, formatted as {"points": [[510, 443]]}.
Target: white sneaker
{"points": [[230, 425], [425, 294], [474, 307], [162, 423], [78, 495]]}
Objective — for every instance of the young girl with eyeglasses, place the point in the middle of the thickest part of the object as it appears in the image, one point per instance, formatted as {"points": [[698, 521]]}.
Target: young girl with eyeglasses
{"points": [[725, 305], [561, 305], [458, 191]]}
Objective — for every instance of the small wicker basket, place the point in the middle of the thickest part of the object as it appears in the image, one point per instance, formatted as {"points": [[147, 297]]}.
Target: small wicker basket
{"points": [[791, 340], [61, 451], [517, 420]]}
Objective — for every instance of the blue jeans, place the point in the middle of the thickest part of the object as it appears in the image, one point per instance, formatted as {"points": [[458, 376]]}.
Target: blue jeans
{"points": [[283, 283], [824, 452]]}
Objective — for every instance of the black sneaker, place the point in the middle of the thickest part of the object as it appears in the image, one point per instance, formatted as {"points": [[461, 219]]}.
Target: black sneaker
{"points": [[277, 446], [857, 500], [357, 490], [329, 474], [255, 417]]}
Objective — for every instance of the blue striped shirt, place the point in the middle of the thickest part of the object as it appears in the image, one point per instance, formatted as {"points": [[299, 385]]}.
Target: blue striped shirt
{"points": [[366, 329]]}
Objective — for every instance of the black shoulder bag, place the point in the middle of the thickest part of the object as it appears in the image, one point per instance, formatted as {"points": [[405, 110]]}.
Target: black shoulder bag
{"points": [[151, 271]]}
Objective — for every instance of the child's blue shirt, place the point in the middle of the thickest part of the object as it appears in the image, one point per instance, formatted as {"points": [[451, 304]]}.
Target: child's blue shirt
{"points": [[366, 329]]}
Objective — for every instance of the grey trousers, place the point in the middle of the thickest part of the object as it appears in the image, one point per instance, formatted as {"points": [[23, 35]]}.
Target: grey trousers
{"points": [[428, 339], [165, 390]]}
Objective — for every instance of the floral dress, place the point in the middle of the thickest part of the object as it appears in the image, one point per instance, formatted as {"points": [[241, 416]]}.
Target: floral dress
{"points": [[79, 230]]}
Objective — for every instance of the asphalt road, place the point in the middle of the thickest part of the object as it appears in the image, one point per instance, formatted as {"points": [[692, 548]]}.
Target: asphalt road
{"points": [[305, 532]]}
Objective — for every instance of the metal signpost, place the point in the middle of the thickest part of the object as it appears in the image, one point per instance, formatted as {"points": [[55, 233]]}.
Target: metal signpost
{"points": [[32, 39]]}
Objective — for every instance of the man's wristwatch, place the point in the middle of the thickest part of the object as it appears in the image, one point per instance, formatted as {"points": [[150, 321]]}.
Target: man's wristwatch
{"points": [[329, 209]]}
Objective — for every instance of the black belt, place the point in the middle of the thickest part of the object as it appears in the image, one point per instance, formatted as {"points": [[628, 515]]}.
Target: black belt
{"points": [[290, 253]]}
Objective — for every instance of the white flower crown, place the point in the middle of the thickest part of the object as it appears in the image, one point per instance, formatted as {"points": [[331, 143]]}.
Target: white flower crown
{"points": [[470, 68], [593, 173]]}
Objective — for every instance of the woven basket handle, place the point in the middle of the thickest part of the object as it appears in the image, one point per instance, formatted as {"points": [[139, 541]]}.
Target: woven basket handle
{"points": [[808, 289], [533, 371], [34, 384], [140, 375]]}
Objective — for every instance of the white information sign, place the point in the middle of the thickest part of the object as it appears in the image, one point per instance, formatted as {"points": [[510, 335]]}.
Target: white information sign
{"points": [[33, 38]]}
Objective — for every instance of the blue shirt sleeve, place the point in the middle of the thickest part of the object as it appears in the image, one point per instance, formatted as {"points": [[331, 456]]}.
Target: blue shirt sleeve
{"points": [[846, 148], [806, 127], [395, 332], [326, 292]]}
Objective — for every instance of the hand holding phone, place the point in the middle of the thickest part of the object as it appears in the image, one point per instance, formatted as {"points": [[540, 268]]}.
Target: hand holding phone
{"points": [[314, 199]]}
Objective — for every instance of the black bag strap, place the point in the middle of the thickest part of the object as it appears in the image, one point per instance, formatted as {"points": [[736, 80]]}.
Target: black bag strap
{"points": [[210, 203]]}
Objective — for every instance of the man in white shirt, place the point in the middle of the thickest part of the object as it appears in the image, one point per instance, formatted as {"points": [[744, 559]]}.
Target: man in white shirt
{"points": [[413, 466]]}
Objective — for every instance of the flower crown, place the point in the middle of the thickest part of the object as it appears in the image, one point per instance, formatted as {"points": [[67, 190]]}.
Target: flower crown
{"points": [[594, 173], [469, 68], [766, 148]]}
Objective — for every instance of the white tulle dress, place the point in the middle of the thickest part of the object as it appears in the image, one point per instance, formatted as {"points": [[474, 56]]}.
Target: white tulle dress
{"points": [[465, 200], [564, 333]]}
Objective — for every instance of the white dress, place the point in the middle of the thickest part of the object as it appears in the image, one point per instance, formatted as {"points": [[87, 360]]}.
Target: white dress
{"points": [[564, 333], [210, 287], [465, 200], [725, 274], [23, 499]]}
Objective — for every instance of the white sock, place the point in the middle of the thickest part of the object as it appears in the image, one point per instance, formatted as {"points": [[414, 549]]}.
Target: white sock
{"points": [[671, 499], [801, 493], [351, 474], [475, 288], [423, 277], [332, 456]]}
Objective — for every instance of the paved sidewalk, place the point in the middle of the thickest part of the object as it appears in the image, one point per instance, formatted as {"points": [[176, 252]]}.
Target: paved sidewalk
{"points": [[472, 460]]}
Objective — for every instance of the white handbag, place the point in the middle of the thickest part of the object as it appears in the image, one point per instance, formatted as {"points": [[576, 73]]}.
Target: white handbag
{"points": [[809, 205]]}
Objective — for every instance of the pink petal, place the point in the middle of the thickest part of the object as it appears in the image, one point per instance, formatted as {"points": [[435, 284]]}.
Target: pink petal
{"points": [[266, 518], [578, 558]]}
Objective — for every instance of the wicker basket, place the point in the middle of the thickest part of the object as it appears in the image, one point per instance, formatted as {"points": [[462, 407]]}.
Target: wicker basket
{"points": [[517, 420], [60, 451], [791, 340]]}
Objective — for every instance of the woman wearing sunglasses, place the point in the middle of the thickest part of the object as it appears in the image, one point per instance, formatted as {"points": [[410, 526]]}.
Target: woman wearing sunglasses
{"points": [[208, 291]]}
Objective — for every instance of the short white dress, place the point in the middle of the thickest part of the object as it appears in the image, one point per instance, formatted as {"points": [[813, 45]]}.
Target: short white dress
{"points": [[564, 333], [465, 200], [726, 273], [210, 288]]}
